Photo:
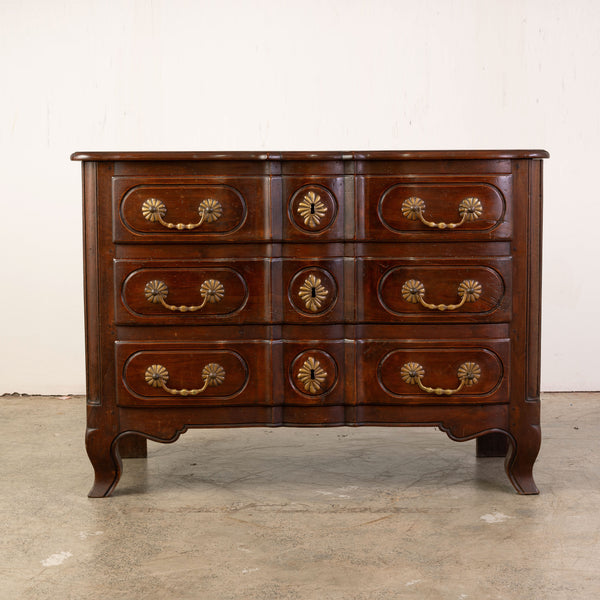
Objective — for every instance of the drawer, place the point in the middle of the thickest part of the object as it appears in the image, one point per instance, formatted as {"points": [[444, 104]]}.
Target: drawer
{"points": [[217, 209], [433, 372], [178, 374], [434, 290], [198, 292], [315, 208], [436, 208]]}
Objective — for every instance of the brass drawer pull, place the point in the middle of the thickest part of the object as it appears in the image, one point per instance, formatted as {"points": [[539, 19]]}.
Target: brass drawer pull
{"points": [[413, 291], [469, 209], [157, 376], [211, 290], [154, 210], [468, 373]]}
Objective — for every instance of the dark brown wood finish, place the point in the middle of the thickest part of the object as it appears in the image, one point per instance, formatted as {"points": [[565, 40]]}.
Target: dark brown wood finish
{"points": [[382, 281], [287, 299], [245, 285]]}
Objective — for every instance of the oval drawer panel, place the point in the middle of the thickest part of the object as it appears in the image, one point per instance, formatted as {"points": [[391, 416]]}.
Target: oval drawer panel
{"points": [[207, 291], [209, 374], [434, 290], [438, 372], [450, 289], [426, 206], [192, 292], [206, 210], [451, 371]]}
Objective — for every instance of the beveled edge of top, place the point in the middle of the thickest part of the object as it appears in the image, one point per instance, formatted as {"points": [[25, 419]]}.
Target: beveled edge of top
{"points": [[302, 155]]}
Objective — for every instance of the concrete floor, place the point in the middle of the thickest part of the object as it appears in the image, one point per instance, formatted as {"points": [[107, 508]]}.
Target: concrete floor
{"points": [[349, 514]]}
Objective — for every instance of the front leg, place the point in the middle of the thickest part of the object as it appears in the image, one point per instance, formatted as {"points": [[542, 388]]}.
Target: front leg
{"points": [[525, 441], [103, 452]]}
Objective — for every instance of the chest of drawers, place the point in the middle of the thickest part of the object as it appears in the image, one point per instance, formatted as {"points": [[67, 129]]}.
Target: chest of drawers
{"points": [[312, 289]]}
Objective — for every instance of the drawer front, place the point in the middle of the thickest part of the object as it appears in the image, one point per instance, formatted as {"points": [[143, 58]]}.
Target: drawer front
{"points": [[211, 374], [434, 290], [214, 209], [180, 292], [437, 209], [436, 372]]}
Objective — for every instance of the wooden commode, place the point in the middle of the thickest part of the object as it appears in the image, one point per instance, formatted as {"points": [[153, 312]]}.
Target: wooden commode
{"points": [[312, 289]]}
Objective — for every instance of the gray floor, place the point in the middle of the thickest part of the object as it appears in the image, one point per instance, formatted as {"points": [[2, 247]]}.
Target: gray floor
{"points": [[368, 513]]}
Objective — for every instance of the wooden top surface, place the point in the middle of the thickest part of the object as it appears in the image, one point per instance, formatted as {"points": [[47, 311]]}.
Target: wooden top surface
{"points": [[350, 155]]}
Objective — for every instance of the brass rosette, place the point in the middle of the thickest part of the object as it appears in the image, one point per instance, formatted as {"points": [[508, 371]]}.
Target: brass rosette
{"points": [[470, 209], [312, 375], [313, 293], [312, 209]]}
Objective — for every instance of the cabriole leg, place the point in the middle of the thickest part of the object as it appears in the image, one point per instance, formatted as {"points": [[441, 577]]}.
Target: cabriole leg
{"points": [[105, 458], [524, 448]]}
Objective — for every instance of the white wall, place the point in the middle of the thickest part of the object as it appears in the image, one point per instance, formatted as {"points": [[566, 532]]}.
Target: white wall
{"points": [[324, 74]]}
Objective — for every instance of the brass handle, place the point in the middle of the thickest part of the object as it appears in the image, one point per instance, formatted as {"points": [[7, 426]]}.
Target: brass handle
{"points": [[157, 376], [468, 374], [469, 209], [211, 290], [413, 291], [154, 210]]}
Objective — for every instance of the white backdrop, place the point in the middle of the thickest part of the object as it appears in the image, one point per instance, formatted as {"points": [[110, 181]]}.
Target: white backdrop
{"points": [[287, 75]]}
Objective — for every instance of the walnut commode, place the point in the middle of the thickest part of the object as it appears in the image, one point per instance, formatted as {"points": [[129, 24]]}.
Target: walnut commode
{"points": [[312, 289]]}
